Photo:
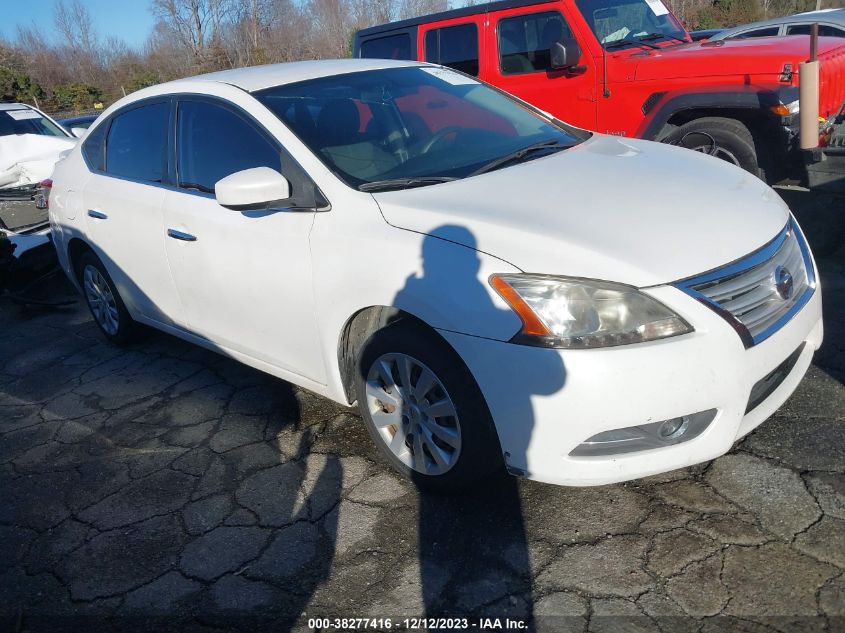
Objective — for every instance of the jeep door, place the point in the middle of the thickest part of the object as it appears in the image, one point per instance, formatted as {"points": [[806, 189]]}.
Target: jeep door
{"points": [[520, 63]]}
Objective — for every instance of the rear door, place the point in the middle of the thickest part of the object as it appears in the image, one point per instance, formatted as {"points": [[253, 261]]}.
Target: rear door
{"points": [[123, 201], [521, 64]]}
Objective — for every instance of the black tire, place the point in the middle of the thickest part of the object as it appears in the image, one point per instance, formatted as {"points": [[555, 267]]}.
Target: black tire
{"points": [[127, 329], [733, 140], [480, 454]]}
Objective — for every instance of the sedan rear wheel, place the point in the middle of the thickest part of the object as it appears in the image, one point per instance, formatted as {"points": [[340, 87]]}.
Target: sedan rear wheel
{"points": [[104, 301], [100, 300]]}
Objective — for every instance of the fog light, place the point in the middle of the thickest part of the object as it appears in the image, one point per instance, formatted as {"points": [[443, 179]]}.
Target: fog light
{"points": [[674, 428], [646, 436]]}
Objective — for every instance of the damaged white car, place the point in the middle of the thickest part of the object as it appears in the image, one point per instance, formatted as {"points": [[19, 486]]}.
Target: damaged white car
{"points": [[31, 143]]}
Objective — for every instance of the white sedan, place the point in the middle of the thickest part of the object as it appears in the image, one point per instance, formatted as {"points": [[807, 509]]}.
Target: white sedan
{"points": [[492, 286]]}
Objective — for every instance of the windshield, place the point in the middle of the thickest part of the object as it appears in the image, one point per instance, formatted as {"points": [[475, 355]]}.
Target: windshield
{"points": [[613, 21], [412, 123], [27, 122]]}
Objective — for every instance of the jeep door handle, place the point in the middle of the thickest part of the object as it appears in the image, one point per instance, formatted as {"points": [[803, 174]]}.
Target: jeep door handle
{"points": [[99, 215], [179, 235]]}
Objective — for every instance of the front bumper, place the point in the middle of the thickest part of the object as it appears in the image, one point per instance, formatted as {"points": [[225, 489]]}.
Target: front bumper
{"points": [[546, 402]]}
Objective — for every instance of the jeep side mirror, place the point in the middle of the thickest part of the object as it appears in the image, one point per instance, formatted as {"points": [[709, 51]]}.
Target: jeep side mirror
{"points": [[565, 54]]}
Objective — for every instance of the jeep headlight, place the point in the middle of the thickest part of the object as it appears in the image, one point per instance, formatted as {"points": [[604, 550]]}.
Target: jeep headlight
{"points": [[583, 313]]}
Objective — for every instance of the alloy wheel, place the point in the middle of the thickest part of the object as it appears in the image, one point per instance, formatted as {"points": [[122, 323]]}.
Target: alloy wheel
{"points": [[100, 299], [413, 413]]}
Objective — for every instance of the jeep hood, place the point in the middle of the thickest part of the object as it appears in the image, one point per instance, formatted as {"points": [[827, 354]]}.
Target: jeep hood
{"points": [[622, 210], [751, 57]]}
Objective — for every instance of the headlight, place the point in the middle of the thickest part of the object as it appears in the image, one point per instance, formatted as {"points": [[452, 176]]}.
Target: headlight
{"points": [[582, 313]]}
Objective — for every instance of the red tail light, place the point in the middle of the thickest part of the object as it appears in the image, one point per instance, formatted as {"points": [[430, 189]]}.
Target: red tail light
{"points": [[42, 200]]}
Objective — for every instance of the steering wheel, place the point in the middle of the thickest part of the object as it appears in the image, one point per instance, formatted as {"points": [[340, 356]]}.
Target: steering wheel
{"points": [[439, 136]]}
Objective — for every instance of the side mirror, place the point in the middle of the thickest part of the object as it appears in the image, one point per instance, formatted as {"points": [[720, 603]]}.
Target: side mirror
{"points": [[78, 132], [252, 189], [565, 54]]}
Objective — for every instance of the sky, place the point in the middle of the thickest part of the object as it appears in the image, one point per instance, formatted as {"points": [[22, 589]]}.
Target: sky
{"points": [[129, 20]]}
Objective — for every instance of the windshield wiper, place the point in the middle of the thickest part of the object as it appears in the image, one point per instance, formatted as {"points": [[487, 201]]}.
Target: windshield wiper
{"points": [[657, 36], [403, 183], [629, 42], [551, 144]]}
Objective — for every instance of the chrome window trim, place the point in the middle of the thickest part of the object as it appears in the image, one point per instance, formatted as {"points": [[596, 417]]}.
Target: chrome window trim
{"points": [[756, 258]]}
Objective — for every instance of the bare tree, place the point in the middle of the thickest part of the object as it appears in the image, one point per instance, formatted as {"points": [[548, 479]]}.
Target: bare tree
{"points": [[81, 46], [194, 23]]}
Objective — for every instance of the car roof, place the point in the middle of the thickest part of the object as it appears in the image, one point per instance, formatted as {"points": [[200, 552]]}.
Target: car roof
{"points": [[827, 16], [460, 12], [258, 77]]}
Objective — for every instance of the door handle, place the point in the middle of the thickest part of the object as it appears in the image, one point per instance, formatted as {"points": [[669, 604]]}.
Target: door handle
{"points": [[179, 235], [99, 215]]}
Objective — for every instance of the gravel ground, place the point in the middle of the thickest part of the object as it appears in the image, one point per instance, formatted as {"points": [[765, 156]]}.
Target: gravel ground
{"points": [[164, 487]]}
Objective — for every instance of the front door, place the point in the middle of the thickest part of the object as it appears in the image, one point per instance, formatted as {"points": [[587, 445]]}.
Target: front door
{"points": [[244, 278], [521, 65]]}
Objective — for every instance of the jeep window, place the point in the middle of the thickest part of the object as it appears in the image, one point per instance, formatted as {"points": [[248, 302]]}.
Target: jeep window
{"points": [[137, 141], [616, 20], [410, 123], [525, 41], [768, 32], [390, 47], [454, 46], [825, 30], [27, 121]]}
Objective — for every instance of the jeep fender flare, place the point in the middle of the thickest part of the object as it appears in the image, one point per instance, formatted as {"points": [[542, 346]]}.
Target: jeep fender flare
{"points": [[660, 107]]}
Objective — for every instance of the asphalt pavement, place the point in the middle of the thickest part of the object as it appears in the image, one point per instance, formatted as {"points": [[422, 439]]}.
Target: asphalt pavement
{"points": [[164, 487]]}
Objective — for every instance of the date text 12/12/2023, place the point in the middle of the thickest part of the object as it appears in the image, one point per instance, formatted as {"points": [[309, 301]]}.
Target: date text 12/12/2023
{"points": [[416, 624]]}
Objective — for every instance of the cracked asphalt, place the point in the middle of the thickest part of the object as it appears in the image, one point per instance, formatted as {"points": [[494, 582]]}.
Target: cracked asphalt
{"points": [[163, 487]]}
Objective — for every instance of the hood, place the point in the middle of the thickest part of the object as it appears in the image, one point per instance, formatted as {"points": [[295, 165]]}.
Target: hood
{"points": [[754, 57], [29, 158], [622, 210]]}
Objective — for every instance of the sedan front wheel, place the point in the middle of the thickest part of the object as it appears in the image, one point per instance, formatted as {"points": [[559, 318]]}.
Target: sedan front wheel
{"points": [[424, 409]]}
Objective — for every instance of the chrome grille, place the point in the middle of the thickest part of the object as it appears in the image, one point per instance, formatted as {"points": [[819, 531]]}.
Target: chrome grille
{"points": [[761, 292]]}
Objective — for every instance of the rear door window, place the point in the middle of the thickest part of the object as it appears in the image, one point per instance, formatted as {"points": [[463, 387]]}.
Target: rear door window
{"points": [[390, 47], [525, 41], [137, 142], [454, 46], [213, 142]]}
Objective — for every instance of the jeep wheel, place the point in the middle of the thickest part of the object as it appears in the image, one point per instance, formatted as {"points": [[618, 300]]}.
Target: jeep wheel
{"points": [[726, 139]]}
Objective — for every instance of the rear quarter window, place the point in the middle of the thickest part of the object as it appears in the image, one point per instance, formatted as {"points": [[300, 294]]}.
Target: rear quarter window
{"points": [[390, 47], [767, 32], [93, 148]]}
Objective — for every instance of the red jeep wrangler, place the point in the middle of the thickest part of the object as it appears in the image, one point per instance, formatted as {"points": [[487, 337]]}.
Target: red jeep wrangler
{"points": [[628, 67]]}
